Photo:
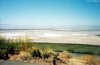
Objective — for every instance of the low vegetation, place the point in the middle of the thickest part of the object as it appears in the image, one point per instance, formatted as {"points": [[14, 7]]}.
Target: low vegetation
{"points": [[71, 48], [21, 49]]}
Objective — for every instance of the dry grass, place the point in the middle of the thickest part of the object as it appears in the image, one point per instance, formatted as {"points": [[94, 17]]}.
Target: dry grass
{"points": [[23, 55], [43, 54], [46, 53], [75, 61], [64, 57], [98, 62], [89, 60]]}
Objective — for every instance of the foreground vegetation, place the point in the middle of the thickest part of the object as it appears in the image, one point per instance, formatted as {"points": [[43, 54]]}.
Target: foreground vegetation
{"points": [[71, 48], [21, 49]]}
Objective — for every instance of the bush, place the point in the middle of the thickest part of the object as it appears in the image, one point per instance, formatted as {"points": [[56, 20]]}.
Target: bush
{"points": [[46, 53], [64, 56], [3, 54], [13, 46], [7, 47], [36, 53]]}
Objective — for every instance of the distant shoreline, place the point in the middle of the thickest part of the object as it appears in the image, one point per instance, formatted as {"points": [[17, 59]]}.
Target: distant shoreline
{"points": [[69, 29]]}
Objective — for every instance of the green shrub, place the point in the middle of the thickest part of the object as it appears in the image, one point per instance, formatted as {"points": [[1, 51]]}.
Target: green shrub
{"points": [[47, 52], [36, 53], [3, 54]]}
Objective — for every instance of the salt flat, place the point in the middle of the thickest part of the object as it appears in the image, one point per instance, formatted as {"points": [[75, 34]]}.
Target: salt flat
{"points": [[53, 36], [81, 39]]}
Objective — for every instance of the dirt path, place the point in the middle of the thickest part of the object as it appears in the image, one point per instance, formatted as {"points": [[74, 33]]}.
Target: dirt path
{"points": [[4, 62]]}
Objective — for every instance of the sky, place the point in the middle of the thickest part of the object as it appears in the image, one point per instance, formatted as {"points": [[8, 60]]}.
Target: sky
{"points": [[49, 13]]}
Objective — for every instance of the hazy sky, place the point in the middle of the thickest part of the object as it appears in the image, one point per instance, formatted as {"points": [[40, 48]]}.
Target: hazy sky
{"points": [[49, 13]]}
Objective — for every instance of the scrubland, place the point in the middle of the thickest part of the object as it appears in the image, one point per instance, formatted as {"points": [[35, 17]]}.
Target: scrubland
{"points": [[21, 49]]}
